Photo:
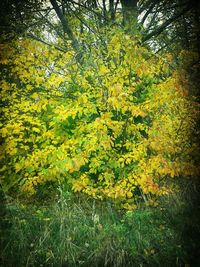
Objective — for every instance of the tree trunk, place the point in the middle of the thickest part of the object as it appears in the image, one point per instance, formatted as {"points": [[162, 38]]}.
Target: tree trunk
{"points": [[130, 12], [67, 30], [112, 10]]}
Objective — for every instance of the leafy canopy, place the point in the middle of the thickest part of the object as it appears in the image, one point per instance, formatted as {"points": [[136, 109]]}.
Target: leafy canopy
{"points": [[117, 126]]}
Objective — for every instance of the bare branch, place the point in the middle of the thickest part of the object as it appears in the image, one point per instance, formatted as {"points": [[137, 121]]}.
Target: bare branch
{"points": [[162, 27], [65, 25]]}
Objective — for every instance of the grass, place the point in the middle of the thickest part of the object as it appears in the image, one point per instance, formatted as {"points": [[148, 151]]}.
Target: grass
{"points": [[74, 231]]}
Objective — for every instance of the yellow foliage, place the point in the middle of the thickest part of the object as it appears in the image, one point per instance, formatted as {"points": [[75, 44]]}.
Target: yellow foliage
{"points": [[113, 129]]}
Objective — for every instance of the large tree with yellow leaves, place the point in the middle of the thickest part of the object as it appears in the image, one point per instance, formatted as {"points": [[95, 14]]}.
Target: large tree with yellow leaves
{"points": [[120, 125]]}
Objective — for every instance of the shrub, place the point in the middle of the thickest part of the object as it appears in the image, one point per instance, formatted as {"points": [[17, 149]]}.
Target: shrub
{"points": [[119, 126]]}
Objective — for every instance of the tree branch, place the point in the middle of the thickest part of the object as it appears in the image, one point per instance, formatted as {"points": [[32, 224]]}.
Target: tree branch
{"points": [[44, 42], [67, 29], [162, 27]]}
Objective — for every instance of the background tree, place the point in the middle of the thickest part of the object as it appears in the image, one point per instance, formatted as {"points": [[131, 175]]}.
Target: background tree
{"points": [[177, 21]]}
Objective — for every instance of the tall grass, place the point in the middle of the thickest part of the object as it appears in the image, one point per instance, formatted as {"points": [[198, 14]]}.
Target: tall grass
{"points": [[79, 232]]}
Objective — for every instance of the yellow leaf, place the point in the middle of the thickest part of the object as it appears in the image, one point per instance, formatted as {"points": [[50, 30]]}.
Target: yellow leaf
{"points": [[36, 130]]}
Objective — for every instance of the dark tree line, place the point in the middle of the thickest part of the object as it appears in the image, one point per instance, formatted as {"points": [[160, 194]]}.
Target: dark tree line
{"points": [[178, 20]]}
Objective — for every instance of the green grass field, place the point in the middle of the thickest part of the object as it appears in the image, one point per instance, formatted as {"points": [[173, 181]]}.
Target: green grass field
{"points": [[75, 231]]}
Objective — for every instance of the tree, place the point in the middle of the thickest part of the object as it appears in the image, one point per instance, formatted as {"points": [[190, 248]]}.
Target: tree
{"points": [[129, 11], [179, 27], [16, 17], [55, 17], [114, 127], [89, 106]]}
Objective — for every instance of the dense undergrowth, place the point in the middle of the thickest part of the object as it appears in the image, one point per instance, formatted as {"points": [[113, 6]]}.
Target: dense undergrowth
{"points": [[75, 231]]}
